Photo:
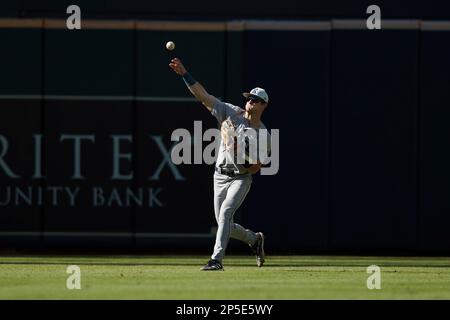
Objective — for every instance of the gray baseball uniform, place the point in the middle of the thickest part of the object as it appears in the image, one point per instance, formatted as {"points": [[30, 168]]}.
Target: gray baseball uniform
{"points": [[230, 192]]}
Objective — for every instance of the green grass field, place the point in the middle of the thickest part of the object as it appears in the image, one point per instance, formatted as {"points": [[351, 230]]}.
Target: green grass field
{"points": [[178, 277]]}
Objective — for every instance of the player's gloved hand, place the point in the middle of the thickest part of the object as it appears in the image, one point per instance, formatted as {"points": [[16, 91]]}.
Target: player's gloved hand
{"points": [[253, 168], [177, 66]]}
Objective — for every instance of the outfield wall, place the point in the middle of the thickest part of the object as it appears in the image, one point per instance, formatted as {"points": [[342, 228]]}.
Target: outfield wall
{"points": [[231, 9], [362, 118]]}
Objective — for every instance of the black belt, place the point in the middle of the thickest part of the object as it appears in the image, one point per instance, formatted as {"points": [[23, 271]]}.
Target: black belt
{"points": [[227, 172]]}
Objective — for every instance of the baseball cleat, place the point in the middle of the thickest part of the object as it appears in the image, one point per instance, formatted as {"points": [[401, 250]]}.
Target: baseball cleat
{"points": [[212, 265], [258, 249]]}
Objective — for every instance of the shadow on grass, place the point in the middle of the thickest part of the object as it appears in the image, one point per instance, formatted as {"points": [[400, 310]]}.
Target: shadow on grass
{"points": [[268, 265]]}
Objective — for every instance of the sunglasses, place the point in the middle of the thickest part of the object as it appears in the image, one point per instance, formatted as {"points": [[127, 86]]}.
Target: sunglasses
{"points": [[257, 100]]}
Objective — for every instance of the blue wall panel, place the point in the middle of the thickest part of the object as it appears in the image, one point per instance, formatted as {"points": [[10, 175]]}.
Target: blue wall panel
{"points": [[89, 62], [294, 68], [21, 61], [373, 139], [435, 141]]}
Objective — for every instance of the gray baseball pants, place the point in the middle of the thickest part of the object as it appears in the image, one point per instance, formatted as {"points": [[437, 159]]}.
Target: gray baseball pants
{"points": [[229, 193]]}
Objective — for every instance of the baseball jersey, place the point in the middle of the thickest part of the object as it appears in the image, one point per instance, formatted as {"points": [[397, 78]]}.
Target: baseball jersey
{"points": [[232, 124]]}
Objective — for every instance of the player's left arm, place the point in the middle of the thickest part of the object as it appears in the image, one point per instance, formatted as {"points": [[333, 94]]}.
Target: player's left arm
{"points": [[254, 168]]}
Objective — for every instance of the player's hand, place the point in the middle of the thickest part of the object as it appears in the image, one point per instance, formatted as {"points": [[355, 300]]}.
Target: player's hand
{"points": [[254, 168], [177, 66]]}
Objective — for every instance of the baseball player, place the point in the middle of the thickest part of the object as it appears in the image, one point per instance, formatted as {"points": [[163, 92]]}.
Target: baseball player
{"points": [[232, 181]]}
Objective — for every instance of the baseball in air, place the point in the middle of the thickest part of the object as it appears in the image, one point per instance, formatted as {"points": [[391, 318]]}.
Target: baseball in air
{"points": [[170, 45]]}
